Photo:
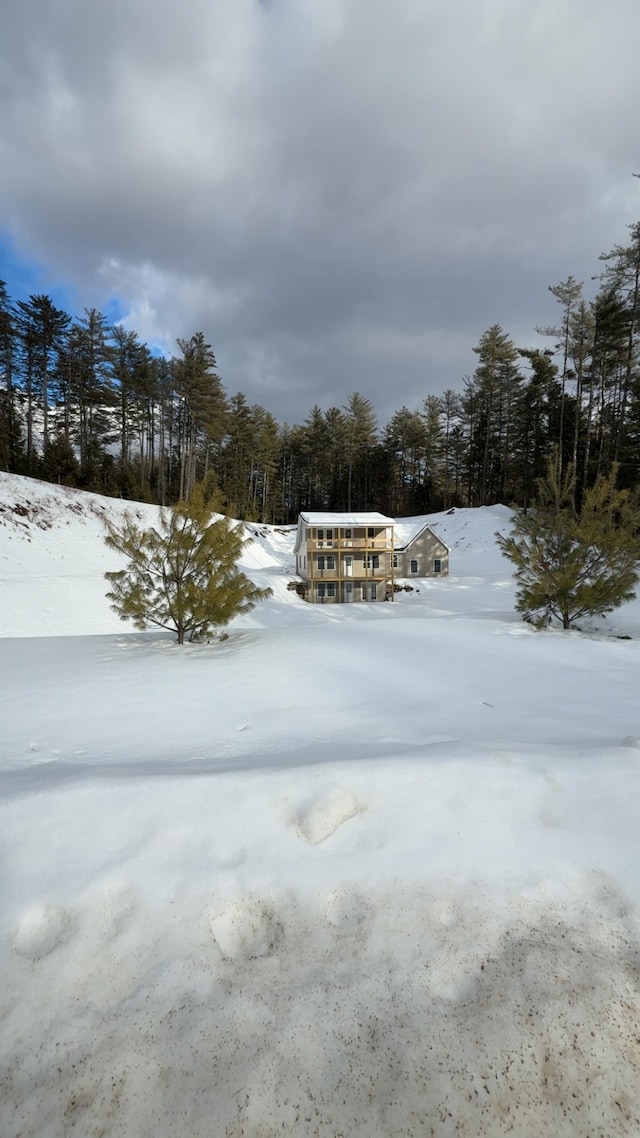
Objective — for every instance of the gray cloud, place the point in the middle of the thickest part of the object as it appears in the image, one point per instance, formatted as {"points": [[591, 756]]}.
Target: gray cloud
{"points": [[340, 195]]}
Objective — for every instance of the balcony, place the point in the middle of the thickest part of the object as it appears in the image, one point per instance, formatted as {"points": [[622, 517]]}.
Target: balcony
{"points": [[382, 543], [355, 573]]}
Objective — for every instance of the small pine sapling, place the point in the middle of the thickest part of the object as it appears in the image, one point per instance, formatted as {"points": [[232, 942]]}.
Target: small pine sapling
{"points": [[182, 575], [570, 563]]}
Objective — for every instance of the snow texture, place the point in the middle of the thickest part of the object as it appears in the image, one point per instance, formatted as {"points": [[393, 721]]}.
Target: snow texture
{"points": [[357, 870]]}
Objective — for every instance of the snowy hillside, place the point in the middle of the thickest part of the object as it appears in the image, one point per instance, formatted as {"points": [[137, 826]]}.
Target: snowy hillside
{"points": [[358, 870]]}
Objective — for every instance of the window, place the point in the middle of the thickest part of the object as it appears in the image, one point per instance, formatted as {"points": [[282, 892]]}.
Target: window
{"points": [[371, 531], [331, 588], [395, 561], [321, 564], [371, 561], [437, 565], [374, 593], [331, 561], [414, 565], [330, 534], [347, 533], [321, 589], [320, 534]]}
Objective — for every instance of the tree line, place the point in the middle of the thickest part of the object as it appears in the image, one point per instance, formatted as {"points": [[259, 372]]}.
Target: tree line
{"points": [[87, 404]]}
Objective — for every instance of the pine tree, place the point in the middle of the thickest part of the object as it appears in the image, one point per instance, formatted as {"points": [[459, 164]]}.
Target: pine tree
{"points": [[404, 441], [43, 328], [360, 422], [568, 294], [488, 407], [10, 434], [570, 562], [182, 575], [203, 409], [623, 275]]}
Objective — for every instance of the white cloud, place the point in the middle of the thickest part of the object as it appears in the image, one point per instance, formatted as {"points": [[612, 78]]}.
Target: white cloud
{"points": [[285, 175]]}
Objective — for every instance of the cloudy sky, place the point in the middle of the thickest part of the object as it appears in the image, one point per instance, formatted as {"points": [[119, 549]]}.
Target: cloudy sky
{"points": [[342, 194]]}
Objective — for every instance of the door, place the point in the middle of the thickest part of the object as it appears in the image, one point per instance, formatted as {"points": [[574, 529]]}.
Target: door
{"points": [[348, 566]]}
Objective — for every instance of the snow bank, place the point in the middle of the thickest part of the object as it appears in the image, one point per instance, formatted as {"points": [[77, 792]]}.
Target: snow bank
{"points": [[414, 1013], [361, 870]]}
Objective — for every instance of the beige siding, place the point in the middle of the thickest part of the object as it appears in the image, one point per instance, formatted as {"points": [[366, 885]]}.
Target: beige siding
{"points": [[425, 549], [353, 573]]}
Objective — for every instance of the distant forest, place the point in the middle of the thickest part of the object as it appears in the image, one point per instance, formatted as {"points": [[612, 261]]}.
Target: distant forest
{"points": [[86, 404]]}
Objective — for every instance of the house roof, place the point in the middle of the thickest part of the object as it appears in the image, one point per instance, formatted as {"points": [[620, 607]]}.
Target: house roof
{"points": [[406, 532], [324, 518]]}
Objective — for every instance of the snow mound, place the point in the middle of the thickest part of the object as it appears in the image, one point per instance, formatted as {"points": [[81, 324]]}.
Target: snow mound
{"points": [[319, 820], [41, 930], [245, 929], [423, 1012]]}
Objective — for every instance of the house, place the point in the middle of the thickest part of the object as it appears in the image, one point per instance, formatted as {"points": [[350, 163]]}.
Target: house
{"points": [[419, 551], [345, 557]]}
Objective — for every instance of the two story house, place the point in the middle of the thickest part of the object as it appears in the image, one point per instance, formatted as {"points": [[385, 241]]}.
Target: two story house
{"points": [[345, 557]]}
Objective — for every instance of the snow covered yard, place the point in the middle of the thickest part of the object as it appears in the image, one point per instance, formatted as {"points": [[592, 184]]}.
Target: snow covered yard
{"points": [[364, 870]]}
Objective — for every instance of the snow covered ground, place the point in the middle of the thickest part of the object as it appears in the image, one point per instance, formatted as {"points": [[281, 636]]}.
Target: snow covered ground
{"points": [[357, 870]]}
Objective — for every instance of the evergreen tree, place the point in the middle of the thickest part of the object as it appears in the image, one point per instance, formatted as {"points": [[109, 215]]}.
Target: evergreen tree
{"points": [[59, 463], [43, 328], [182, 575], [571, 562], [10, 433], [360, 426], [404, 441], [488, 406], [237, 456], [608, 355], [203, 409], [568, 294], [431, 491], [85, 382], [623, 275], [535, 410]]}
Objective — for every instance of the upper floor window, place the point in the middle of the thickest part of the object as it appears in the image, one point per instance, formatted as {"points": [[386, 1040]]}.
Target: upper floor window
{"points": [[329, 534], [320, 534], [347, 533], [414, 565], [437, 565], [321, 563], [371, 531], [395, 561], [331, 561]]}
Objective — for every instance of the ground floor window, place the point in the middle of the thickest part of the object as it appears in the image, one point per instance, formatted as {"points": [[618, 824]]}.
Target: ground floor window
{"points": [[414, 565], [325, 589], [374, 593], [437, 565], [395, 561]]}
